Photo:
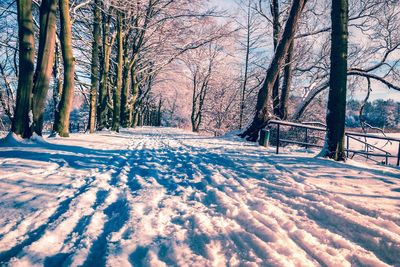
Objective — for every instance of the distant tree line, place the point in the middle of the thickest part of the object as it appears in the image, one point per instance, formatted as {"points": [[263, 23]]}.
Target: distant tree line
{"points": [[384, 114]]}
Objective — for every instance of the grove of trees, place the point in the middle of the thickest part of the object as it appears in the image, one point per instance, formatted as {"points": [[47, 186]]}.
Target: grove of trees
{"points": [[116, 64]]}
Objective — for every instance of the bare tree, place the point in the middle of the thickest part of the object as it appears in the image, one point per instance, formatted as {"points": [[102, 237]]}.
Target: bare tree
{"points": [[262, 106], [335, 119], [96, 46], [118, 87], [45, 61], [201, 65], [23, 114], [61, 121]]}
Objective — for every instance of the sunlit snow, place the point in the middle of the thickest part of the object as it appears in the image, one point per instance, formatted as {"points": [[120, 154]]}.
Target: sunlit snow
{"points": [[166, 197]]}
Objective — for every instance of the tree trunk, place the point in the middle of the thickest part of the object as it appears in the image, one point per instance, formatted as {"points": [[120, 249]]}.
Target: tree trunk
{"points": [[117, 91], [45, 61], [135, 93], [61, 123], [276, 30], [193, 114], [6, 104], [22, 117], [103, 88], [140, 117], [95, 66], [335, 119], [135, 117], [159, 113], [58, 84], [246, 66], [262, 111], [287, 80], [124, 100], [126, 85]]}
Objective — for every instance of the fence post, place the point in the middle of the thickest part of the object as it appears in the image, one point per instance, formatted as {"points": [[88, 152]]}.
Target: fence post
{"points": [[264, 137], [347, 145], [398, 156], [306, 141], [277, 138]]}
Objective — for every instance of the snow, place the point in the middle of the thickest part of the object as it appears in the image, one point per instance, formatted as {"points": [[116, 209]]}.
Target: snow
{"points": [[166, 197], [392, 147]]}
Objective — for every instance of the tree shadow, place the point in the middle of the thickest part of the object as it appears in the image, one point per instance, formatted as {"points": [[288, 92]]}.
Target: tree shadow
{"points": [[176, 167]]}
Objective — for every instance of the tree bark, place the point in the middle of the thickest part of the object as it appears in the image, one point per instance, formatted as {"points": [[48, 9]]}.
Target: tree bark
{"points": [[262, 111], [246, 66], [117, 90], [335, 119], [135, 93], [276, 30], [287, 80], [95, 66], [103, 88], [7, 107], [61, 123], [125, 118], [22, 117], [140, 117], [58, 84], [126, 85], [135, 116], [159, 113], [194, 106], [45, 62]]}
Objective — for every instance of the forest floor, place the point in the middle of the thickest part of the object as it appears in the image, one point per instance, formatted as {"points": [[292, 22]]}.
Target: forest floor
{"points": [[166, 197]]}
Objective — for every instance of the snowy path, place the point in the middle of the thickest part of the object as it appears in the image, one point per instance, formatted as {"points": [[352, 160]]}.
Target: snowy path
{"points": [[165, 197]]}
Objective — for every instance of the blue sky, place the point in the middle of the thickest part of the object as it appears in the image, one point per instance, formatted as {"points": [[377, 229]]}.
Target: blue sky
{"points": [[382, 92]]}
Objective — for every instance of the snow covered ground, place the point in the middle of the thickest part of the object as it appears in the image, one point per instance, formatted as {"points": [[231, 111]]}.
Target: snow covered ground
{"points": [[166, 197]]}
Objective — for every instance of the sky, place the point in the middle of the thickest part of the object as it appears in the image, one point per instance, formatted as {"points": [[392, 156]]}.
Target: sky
{"points": [[382, 92]]}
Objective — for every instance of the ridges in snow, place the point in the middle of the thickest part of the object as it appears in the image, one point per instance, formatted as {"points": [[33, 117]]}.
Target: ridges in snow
{"points": [[167, 197]]}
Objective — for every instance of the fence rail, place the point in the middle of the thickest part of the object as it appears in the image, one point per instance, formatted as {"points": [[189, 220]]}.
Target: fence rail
{"points": [[368, 152]]}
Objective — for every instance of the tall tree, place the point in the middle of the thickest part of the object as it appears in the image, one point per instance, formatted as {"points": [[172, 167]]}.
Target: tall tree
{"points": [[26, 41], [287, 81], [131, 80], [118, 87], [135, 92], [126, 85], [105, 68], [95, 65], [274, 5], [246, 65], [335, 119], [45, 61], [62, 115], [262, 107]]}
